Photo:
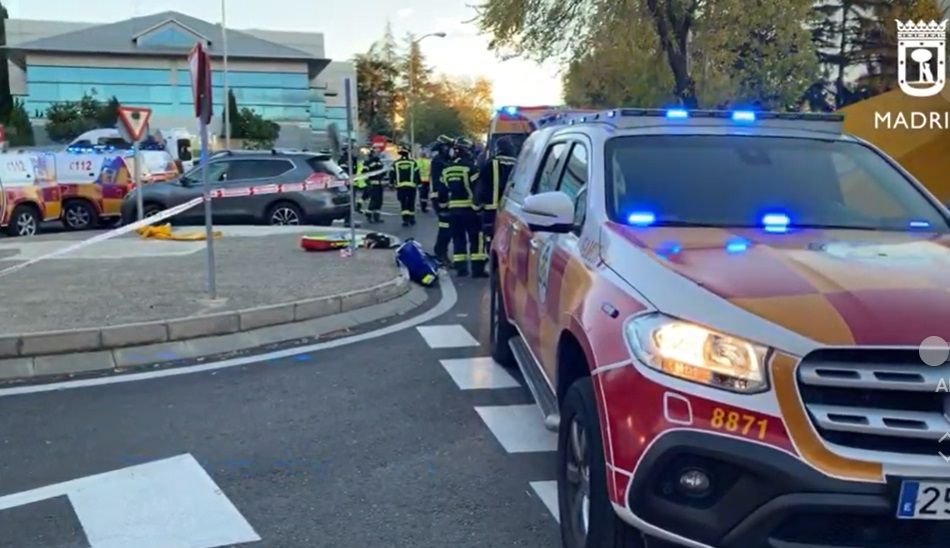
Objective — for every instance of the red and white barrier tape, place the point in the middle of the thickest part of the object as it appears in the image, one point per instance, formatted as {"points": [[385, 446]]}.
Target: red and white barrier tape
{"points": [[125, 229], [323, 183]]}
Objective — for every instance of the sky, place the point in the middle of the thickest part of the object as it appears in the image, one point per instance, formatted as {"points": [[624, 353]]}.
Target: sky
{"points": [[349, 27]]}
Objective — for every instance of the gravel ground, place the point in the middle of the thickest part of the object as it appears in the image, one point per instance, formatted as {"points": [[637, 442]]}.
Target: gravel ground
{"points": [[251, 271]]}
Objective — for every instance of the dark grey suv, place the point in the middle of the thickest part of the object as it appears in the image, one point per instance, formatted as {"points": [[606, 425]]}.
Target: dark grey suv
{"points": [[233, 171]]}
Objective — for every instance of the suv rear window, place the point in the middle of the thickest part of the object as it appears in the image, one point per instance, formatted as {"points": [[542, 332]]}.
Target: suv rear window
{"points": [[734, 180]]}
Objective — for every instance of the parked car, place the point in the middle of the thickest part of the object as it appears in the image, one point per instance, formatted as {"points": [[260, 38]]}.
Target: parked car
{"points": [[234, 171], [723, 315]]}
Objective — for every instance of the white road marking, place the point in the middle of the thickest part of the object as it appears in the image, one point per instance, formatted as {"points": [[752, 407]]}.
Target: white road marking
{"points": [[170, 502], [478, 373], [518, 428], [547, 492], [446, 336], [449, 298]]}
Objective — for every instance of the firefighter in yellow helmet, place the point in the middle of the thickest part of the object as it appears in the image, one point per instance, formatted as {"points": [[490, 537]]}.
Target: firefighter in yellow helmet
{"points": [[456, 192], [405, 177]]}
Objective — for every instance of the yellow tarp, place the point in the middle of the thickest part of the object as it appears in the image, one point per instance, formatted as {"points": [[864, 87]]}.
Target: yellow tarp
{"points": [[164, 232], [924, 152]]}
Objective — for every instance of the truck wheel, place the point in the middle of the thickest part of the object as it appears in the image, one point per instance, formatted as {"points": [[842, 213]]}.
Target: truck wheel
{"points": [[79, 215], [587, 518], [25, 221], [501, 329]]}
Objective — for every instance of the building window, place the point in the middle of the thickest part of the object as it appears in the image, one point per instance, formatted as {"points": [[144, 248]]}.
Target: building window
{"points": [[170, 34]]}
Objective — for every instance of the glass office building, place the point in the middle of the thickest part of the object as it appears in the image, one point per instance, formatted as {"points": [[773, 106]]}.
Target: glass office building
{"points": [[143, 62]]}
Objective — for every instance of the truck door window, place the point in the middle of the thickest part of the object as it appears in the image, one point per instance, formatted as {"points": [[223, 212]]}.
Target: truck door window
{"points": [[575, 172], [551, 168]]}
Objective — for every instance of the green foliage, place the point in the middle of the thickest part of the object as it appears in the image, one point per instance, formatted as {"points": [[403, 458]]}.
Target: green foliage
{"points": [[69, 119], [653, 52], [235, 119], [377, 93], [19, 129], [108, 114], [260, 134], [434, 118]]}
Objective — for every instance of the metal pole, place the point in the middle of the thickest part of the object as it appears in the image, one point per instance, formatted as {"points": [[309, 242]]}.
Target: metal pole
{"points": [[349, 163], [137, 180], [209, 232], [412, 99], [227, 111]]}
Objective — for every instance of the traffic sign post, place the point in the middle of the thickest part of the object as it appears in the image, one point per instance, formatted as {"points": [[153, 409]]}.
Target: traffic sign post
{"points": [[199, 64], [133, 127]]}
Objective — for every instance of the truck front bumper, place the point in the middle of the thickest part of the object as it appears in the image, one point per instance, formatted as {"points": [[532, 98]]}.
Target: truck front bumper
{"points": [[762, 497]]}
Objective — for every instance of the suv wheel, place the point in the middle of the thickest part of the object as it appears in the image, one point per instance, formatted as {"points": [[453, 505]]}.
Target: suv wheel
{"points": [[501, 329], [587, 517], [284, 214], [79, 215], [25, 221]]}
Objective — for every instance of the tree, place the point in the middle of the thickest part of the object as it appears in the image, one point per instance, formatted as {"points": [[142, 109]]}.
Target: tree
{"points": [[376, 91], [608, 75], [235, 119], [879, 41], [6, 100], [19, 128], [704, 52], [434, 118], [108, 114], [69, 119], [259, 133]]}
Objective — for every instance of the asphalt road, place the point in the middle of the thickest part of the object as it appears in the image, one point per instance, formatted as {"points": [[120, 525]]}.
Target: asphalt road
{"points": [[374, 443]]}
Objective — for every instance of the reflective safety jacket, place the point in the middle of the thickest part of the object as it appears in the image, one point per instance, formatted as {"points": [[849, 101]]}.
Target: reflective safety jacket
{"points": [[360, 168], [374, 165], [404, 174], [425, 169], [455, 191], [493, 180]]}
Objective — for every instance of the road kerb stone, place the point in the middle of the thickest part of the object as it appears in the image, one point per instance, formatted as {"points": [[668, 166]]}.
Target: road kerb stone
{"points": [[265, 316], [16, 368], [134, 334], [317, 308], [55, 342], [59, 364], [9, 346], [203, 326]]}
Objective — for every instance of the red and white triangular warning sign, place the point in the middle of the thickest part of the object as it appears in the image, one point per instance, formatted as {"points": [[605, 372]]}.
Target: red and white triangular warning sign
{"points": [[135, 121]]}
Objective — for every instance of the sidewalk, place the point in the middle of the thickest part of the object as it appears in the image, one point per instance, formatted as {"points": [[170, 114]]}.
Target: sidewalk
{"points": [[130, 280]]}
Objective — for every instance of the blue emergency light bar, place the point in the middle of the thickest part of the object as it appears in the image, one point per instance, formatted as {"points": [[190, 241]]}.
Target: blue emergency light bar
{"points": [[743, 116], [919, 224], [641, 218], [677, 114], [640, 117], [776, 222]]}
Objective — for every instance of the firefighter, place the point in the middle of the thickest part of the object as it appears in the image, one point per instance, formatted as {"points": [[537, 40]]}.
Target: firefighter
{"points": [[425, 182], [374, 188], [441, 159], [458, 180], [405, 177], [492, 181]]}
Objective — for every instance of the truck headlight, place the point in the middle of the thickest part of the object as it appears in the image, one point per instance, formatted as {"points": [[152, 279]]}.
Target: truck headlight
{"points": [[697, 354]]}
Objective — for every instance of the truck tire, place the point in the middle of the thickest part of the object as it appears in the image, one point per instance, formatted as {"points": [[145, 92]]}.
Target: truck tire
{"points": [[25, 221], [588, 520], [79, 215], [501, 329]]}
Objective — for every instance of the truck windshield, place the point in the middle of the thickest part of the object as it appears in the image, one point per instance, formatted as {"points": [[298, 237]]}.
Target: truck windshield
{"points": [[730, 180]]}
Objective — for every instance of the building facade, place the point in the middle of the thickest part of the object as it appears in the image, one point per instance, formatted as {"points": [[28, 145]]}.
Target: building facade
{"points": [[284, 76]]}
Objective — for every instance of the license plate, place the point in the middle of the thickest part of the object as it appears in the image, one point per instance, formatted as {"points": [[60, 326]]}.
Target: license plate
{"points": [[924, 500]]}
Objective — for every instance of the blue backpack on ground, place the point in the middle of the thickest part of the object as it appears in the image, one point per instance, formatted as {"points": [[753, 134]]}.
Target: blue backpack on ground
{"points": [[422, 268]]}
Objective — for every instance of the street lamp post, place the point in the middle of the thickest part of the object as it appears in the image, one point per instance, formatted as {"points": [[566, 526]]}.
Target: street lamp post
{"points": [[226, 102], [412, 91]]}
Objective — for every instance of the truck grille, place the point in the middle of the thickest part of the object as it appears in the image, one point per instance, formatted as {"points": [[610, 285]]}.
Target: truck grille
{"points": [[877, 399]]}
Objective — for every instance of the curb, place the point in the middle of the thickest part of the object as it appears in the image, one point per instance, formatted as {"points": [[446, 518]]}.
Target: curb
{"points": [[91, 349]]}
